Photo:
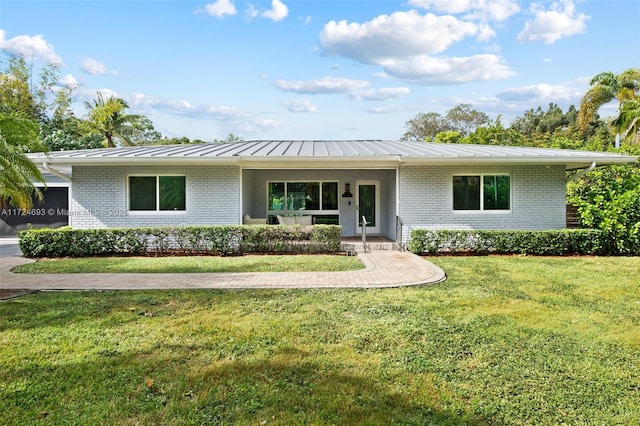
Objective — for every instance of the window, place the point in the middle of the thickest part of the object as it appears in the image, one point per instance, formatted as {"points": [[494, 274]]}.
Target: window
{"points": [[482, 192], [157, 193], [297, 196], [329, 195]]}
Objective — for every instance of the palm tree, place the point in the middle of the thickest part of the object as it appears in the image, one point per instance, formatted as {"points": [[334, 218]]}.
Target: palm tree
{"points": [[107, 118], [18, 134], [627, 123], [606, 87]]}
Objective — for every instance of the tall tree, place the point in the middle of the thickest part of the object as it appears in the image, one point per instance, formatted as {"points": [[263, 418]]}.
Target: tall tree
{"points": [[142, 132], [107, 117], [464, 119], [18, 133], [21, 110], [627, 123], [494, 133], [15, 91], [605, 87], [424, 127]]}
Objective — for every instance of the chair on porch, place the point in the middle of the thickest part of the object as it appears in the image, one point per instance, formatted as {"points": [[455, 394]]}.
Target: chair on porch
{"points": [[248, 220]]}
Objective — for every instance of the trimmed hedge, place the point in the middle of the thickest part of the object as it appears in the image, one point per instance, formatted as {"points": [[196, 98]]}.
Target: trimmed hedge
{"points": [[220, 240], [559, 242]]}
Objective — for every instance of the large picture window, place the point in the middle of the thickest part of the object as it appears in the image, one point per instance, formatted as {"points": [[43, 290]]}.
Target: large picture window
{"points": [[302, 196], [157, 193], [482, 192]]}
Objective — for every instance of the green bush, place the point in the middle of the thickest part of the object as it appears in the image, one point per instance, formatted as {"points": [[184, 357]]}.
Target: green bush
{"points": [[222, 240], [557, 242], [609, 199]]}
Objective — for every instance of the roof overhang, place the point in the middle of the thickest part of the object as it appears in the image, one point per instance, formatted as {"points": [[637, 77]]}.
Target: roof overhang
{"points": [[328, 155]]}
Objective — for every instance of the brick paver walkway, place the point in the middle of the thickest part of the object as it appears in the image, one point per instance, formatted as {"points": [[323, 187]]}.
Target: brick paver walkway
{"points": [[384, 269]]}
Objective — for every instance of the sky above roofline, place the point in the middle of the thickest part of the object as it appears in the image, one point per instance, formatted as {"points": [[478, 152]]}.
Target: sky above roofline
{"points": [[311, 69]]}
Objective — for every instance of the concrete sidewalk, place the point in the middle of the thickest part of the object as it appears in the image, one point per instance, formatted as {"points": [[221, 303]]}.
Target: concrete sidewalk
{"points": [[384, 269]]}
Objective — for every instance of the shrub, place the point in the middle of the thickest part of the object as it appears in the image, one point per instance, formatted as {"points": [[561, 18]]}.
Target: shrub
{"points": [[557, 242], [609, 199], [222, 240]]}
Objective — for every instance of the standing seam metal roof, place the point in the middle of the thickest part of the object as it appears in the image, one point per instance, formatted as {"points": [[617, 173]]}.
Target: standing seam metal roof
{"points": [[343, 149]]}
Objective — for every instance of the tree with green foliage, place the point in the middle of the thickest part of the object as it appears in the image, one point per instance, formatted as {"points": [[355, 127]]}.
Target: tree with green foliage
{"points": [[605, 87], [449, 136], [18, 134], [494, 133], [142, 132], [627, 123], [462, 119], [608, 198], [107, 118], [21, 109], [233, 138], [424, 127], [68, 136], [545, 122]]}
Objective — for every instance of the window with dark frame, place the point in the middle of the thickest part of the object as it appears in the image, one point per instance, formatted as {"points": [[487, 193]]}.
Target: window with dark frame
{"points": [[157, 193], [482, 192], [302, 196]]}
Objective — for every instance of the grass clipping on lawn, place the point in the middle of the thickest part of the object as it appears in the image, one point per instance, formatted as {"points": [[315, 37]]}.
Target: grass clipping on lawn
{"points": [[193, 264], [504, 341]]}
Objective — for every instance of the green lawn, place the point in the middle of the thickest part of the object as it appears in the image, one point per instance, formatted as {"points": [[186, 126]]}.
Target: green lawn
{"points": [[190, 264], [505, 340]]}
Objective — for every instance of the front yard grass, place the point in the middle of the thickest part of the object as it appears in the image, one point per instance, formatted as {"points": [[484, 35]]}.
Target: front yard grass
{"points": [[191, 264], [504, 341]]}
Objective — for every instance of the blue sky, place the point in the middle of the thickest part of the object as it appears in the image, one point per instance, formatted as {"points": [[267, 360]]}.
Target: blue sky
{"points": [[312, 69]]}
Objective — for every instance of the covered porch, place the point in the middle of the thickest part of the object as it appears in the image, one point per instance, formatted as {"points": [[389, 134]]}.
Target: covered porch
{"points": [[328, 196]]}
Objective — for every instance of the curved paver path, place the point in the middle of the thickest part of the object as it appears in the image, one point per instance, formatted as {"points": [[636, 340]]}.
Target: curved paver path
{"points": [[384, 269]]}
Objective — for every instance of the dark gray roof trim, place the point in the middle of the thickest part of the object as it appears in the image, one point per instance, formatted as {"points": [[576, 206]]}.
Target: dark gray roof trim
{"points": [[331, 150]]}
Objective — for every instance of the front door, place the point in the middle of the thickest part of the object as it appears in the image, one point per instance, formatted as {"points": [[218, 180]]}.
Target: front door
{"points": [[368, 205]]}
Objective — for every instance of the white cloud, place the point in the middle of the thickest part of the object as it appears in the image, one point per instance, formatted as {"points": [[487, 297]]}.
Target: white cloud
{"points": [[299, 105], [551, 25], [256, 125], [220, 8], [182, 107], [33, 48], [438, 71], [355, 89], [385, 93], [485, 10], [400, 34], [384, 109], [278, 11], [251, 12], [326, 85], [69, 81], [485, 33], [541, 94], [95, 67], [443, 6], [404, 44]]}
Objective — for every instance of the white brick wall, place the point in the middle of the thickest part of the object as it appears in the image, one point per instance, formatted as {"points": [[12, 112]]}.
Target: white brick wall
{"points": [[99, 197], [537, 199]]}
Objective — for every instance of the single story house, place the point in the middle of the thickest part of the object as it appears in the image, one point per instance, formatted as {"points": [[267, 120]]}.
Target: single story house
{"points": [[397, 186]]}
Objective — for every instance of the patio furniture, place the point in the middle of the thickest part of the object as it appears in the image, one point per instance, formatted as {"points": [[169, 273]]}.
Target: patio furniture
{"points": [[248, 220], [295, 220]]}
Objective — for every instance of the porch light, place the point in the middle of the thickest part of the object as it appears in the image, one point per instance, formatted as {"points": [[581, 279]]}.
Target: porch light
{"points": [[347, 190]]}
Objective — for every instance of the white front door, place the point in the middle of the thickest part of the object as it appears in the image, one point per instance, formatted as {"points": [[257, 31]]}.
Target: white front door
{"points": [[368, 205]]}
